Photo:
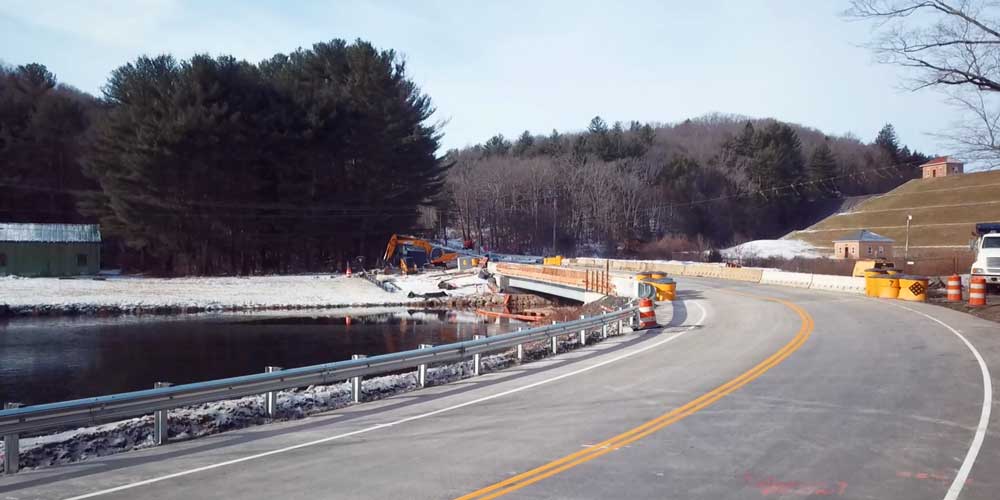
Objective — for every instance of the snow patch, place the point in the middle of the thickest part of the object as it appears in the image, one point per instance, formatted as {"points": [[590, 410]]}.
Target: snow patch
{"points": [[786, 249], [132, 294]]}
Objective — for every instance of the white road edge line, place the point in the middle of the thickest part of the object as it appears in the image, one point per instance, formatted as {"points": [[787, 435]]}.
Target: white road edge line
{"points": [[984, 417], [658, 343]]}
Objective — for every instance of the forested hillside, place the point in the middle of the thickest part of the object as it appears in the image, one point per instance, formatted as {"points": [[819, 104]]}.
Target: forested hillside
{"points": [[700, 183]]}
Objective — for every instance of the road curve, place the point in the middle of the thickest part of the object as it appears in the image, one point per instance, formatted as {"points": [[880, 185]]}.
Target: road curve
{"points": [[751, 392]]}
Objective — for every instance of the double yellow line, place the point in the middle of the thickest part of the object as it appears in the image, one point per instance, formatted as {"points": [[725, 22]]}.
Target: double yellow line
{"points": [[572, 460]]}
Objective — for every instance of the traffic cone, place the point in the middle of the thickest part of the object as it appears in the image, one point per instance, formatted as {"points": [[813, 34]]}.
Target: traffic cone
{"points": [[348, 273]]}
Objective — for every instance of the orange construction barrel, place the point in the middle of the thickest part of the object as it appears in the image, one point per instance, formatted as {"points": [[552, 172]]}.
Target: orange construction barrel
{"points": [[977, 291], [647, 316], [954, 288]]}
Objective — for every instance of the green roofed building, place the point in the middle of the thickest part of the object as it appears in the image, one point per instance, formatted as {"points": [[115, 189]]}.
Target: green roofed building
{"points": [[49, 249]]}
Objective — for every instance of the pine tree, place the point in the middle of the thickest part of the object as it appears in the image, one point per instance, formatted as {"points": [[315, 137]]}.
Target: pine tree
{"points": [[888, 142], [496, 146], [597, 126], [523, 144], [822, 169], [303, 159]]}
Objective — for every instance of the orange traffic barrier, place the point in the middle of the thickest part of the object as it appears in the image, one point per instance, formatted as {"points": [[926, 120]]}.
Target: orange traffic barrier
{"points": [[977, 291], [647, 316], [954, 288]]}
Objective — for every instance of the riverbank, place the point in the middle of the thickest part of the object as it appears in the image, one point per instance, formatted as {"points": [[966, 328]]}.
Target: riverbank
{"points": [[212, 418], [141, 295]]}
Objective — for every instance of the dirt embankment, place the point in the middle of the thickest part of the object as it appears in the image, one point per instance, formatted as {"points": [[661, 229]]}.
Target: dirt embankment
{"points": [[991, 311]]}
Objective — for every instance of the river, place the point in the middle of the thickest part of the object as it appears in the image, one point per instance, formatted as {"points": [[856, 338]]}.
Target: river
{"points": [[55, 359]]}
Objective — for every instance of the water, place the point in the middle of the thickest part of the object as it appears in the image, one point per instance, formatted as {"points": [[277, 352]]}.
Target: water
{"points": [[55, 359]]}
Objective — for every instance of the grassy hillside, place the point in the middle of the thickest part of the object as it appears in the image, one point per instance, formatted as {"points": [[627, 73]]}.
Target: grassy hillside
{"points": [[944, 212]]}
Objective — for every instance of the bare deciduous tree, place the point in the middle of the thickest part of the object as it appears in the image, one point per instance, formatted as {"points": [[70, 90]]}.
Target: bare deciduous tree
{"points": [[950, 45]]}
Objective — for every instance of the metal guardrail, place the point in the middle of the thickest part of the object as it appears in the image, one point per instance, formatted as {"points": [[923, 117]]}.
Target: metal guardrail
{"points": [[91, 411]]}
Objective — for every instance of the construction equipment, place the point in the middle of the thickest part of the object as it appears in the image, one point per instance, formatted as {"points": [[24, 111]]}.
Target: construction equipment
{"points": [[420, 252], [552, 261], [863, 265], [987, 248]]}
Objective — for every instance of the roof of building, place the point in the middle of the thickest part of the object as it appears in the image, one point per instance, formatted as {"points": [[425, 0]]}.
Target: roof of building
{"points": [[939, 160], [865, 235], [49, 233]]}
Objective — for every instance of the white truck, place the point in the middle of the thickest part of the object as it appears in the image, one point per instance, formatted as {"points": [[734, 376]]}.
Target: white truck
{"points": [[987, 248]]}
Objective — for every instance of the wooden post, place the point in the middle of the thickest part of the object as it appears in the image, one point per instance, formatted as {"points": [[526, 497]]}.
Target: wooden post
{"points": [[607, 276]]}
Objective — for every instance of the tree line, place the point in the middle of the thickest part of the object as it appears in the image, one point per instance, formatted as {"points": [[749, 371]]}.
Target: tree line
{"points": [[698, 184], [214, 165]]}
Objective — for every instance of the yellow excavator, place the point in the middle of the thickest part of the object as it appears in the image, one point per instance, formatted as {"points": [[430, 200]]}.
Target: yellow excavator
{"points": [[417, 252]]}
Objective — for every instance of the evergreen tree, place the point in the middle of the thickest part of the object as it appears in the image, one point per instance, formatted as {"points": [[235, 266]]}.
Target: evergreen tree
{"points": [[43, 129], [822, 168], [597, 126], [888, 142], [523, 144], [496, 146], [306, 158]]}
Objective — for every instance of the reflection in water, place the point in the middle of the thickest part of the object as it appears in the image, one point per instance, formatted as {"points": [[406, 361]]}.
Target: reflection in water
{"points": [[44, 360]]}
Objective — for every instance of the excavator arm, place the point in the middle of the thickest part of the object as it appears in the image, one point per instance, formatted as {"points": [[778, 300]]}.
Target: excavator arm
{"points": [[437, 258]]}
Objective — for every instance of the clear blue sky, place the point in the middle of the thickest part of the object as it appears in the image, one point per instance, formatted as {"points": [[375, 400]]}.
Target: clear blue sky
{"points": [[515, 65]]}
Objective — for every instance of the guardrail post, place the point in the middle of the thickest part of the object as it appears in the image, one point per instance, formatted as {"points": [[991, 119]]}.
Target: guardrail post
{"points": [[356, 382], [271, 398], [554, 342], [161, 432], [621, 324], [422, 369], [583, 332], [520, 350], [604, 327], [11, 447], [476, 359]]}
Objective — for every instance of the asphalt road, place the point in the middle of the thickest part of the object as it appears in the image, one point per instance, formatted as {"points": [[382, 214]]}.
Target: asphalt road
{"points": [[750, 392]]}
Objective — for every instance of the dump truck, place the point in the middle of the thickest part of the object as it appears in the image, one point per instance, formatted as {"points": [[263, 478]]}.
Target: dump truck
{"points": [[411, 253], [986, 245]]}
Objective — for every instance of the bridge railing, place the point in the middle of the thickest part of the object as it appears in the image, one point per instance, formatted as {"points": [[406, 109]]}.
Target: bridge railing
{"points": [[589, 280], [89, 411]]}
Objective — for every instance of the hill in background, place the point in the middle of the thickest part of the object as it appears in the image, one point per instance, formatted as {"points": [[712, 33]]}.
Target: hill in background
{"points": [[944, 210], [706, 182]]}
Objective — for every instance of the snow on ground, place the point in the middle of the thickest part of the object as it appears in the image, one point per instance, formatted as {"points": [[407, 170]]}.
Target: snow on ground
{"points": [[465, 282], [211, 418], [787, 249], [138, 294]]}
